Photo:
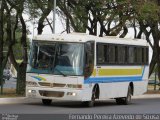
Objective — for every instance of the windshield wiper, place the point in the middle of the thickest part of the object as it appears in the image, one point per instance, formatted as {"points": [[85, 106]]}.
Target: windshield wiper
{"points": [[60, 72]]}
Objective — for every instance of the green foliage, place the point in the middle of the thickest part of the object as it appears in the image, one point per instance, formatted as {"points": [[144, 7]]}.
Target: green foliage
{"points": [[148, 11], [17, 47], [103, 11], [32, 9]]}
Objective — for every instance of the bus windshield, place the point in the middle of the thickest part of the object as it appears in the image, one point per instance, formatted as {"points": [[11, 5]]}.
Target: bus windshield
{"points": [[56, 58]]}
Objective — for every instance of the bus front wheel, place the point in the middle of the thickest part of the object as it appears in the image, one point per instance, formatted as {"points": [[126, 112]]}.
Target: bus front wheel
{"points": [[92, 101], [126, 100], [46, 101]]}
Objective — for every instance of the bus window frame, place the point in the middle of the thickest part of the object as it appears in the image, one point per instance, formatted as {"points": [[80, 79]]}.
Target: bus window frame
{"points": [[54, 42], [85, 52], [127, 55]]}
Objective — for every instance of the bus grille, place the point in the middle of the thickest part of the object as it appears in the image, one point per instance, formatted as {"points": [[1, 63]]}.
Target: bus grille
{"points": [[51, 93], [46, 84], [58, 85]]}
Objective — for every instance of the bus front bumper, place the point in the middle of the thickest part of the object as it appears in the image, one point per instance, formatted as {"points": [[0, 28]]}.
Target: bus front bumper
{"points": [[57, 94]]}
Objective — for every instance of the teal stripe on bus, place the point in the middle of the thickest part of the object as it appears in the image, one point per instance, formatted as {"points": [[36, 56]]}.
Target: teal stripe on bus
{"points": [[112, 79]]}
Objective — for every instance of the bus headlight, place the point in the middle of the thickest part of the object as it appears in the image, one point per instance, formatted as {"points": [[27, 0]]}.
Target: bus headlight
{"points": [[74, 85], [71, 93], [29, 91], [31, 84]]}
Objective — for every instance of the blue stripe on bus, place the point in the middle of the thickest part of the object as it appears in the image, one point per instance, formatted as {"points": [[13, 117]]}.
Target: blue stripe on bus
{"points": [[112, 79]]}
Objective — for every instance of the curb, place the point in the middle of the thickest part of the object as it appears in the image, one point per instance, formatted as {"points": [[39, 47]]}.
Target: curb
{"points": [[22, 100], [148, 96], [18, 100]]}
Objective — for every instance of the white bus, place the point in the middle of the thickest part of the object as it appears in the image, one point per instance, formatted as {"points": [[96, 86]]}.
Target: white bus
{"points": [[80, 67]]}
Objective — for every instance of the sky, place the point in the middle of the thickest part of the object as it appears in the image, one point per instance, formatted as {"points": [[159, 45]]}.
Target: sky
{"points": [[59, 27]]}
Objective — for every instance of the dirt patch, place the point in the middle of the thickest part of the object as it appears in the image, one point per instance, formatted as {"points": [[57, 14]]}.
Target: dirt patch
{"points": [[9, 92], [153, 92]]}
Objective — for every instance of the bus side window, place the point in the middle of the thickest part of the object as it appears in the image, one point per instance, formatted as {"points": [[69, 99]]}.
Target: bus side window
{"points": [[89, 59]]}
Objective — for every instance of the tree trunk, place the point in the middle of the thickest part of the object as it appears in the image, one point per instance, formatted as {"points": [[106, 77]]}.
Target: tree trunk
{"points": [[125, 31], [45, 13], [152, 64], [1, 78], [155, 34], [1, 46], [21, 71], [21, 79]]}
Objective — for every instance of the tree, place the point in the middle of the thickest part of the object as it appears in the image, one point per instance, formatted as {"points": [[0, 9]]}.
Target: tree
{"points": [[148, 17], [87, 14], [18, 7], [1, 45], [40, 9], [4, 57], [15, 25]]}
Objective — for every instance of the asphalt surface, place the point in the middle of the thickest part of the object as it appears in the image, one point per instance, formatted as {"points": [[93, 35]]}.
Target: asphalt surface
{"points": [[138, 106]]}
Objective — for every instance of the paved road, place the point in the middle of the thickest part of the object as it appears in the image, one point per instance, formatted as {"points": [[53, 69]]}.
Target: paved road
{"points": [[138, 106]]}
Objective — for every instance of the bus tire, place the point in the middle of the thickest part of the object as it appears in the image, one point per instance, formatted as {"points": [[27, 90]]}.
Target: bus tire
{"points": [[126, 100], [46, 101], [119, 101], [92, 101]]}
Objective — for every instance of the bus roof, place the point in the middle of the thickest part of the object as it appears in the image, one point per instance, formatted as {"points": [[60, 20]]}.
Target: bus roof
{"points": [[82, 37]]}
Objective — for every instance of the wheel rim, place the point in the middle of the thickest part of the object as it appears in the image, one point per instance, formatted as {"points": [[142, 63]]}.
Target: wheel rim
{"points": [[93, 96], [91, 103], [129, 95], [129, 98]]}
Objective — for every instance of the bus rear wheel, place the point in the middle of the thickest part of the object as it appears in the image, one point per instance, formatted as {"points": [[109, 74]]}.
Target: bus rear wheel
{"points": [[46, 101], [126, 100]]}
